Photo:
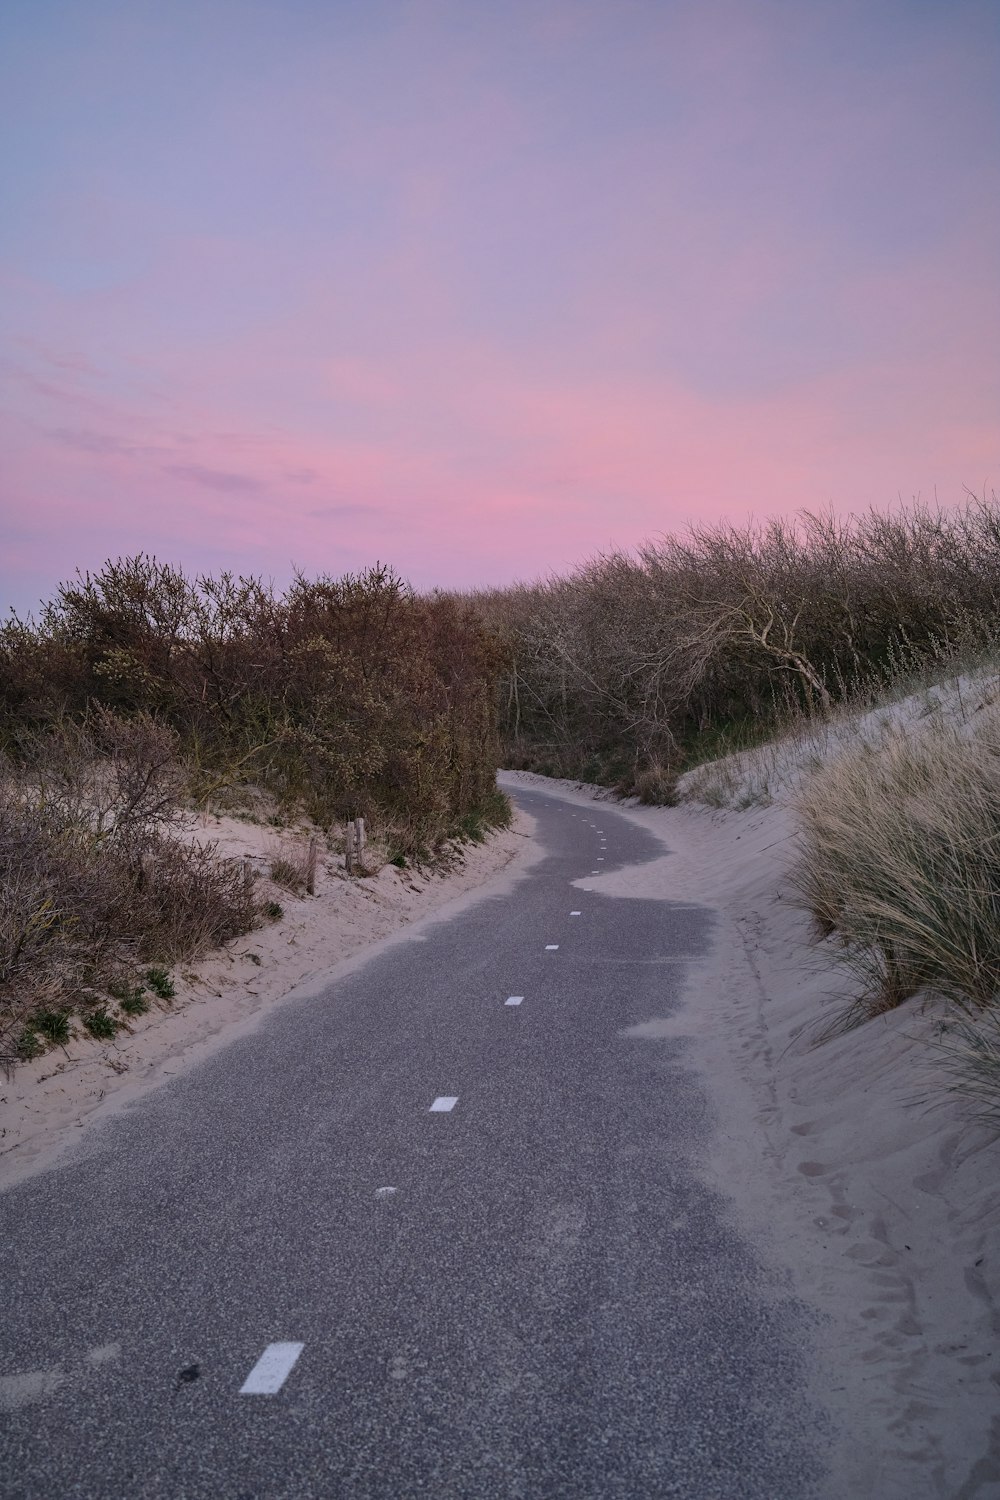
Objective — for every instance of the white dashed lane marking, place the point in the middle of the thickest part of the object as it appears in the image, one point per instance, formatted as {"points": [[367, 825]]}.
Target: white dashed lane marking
{"points": [[576, 913], [443, 1104], [513, 999], [551, 947], [271, 1370]]}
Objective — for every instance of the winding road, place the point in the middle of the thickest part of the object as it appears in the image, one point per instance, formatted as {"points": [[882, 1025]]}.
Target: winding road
{"points": [[440, 1231]]}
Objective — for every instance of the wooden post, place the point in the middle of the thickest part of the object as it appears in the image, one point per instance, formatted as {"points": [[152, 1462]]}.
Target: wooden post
{"points": [[349, 848], [312, 859]]}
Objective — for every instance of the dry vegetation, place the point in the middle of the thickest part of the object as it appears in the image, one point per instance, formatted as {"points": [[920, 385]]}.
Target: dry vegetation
{"points": [[788, 644], [900, 863], [140, 690], [902, 860], [632, 669]]}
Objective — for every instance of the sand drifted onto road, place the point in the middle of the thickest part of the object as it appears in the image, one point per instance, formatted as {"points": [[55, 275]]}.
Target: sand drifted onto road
{"points": [[44, 1104], [847, 1163], [849, 1166]]}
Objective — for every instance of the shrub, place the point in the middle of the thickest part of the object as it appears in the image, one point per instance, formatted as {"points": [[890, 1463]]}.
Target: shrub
{"points": [[340, 698], [656, 786]]}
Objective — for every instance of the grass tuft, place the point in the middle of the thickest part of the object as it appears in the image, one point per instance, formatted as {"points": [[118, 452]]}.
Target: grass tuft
{"points": [[53, 1025], [28, 1045], [160, 982], [100, 1023]]}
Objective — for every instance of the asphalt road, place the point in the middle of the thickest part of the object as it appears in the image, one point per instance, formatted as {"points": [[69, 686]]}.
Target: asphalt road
{"points": [[549, 1302]]}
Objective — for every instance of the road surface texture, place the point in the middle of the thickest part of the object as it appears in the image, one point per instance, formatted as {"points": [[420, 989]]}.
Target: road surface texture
{"points": [[438, 1232]]}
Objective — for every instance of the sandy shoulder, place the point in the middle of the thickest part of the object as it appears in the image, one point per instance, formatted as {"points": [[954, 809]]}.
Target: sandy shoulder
{"points": [[844, 1162], [46, 1103]]}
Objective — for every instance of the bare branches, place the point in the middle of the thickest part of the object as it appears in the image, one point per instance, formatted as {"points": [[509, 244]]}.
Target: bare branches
{"points": [[632, 657]]}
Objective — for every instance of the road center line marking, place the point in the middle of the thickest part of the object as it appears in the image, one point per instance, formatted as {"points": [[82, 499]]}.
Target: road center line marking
{"points": [[513, 999], [271, 1370], [443, 1104], [576, 913], [551, 947]]}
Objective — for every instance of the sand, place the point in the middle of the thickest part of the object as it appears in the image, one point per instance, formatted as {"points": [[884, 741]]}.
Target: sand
{"points": [[846, 1164], [45, 1103]]}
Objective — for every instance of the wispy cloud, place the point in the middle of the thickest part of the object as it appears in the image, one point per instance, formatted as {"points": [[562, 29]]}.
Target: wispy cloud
{"points": [[347, 512], [89, 442], [214, 479]]}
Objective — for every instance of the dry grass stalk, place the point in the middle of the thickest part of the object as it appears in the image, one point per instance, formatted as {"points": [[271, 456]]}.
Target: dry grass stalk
{"points": [[901, 856]]}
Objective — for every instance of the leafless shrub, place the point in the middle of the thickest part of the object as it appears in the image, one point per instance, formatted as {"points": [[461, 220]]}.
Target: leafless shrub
{"points": [[90, 888], [109, 774], [703, 638]]}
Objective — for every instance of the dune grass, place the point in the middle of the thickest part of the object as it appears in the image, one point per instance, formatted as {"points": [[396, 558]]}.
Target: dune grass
{"points": [[900, 864]]}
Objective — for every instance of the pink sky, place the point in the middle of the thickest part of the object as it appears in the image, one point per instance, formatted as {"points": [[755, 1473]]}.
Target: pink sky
{"points": [[479, 290]]}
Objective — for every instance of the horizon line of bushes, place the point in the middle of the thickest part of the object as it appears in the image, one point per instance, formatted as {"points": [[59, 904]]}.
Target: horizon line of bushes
{"points": [[634, 667]]}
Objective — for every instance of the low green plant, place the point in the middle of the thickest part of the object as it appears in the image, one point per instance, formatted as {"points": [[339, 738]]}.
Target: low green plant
{"points": [[471, 829], [160, 983], [131, 996], [28, 1045], [53, 1025], [135, 1004], [100, 1023], [273, 910]]}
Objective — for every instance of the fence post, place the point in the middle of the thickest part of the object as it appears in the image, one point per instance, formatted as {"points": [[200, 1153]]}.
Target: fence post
{"points": [[349, 848], [312, 859]]}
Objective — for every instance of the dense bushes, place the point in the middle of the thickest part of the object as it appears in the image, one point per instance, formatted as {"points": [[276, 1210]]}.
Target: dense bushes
{"points": [[139, 687], [342, 697], [646, 662]]}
